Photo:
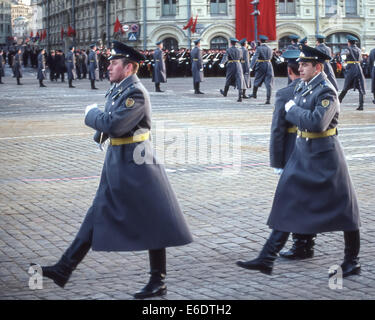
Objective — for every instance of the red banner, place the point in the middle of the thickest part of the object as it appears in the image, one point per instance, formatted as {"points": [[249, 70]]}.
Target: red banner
{"points": [[266, 19]]}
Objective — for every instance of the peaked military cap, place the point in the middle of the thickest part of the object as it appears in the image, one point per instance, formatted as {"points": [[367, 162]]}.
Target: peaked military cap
{"points": [[197, 41], [242, 41], [303, 40], [351, 38], [291, 56], [159, 42], [262, 37], [320, 36], [71, 47], [121, 50], [233, 40], [92, 45], [309, 54], [293, 37]]}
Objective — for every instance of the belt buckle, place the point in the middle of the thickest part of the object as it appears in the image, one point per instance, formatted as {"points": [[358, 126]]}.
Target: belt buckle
{"points": [[307, 139]]}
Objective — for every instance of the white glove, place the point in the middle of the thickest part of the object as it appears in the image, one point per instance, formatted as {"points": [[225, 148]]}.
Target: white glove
{"points": [[201, 69], [43, 70], [89, 107], [278, 171], [221, 65], [289, 104]]}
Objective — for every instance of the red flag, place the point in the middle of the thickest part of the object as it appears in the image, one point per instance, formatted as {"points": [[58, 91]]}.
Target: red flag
{"points": [[37, 35], [62, 33], [189, 24], [118, 26], [31, 34], [194, 24], [71, 32], [44, 34]]}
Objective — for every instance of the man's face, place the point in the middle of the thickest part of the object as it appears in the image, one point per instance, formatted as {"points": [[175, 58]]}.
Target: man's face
{"points": [[307, 71], [117, 71]]}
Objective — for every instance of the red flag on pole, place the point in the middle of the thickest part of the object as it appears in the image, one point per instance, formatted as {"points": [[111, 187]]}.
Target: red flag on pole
{"points": [[31, 34], [44, 34], [71, 32], [194, 24], [118, 26], [189, 24], [62, 33], [37, 35]]}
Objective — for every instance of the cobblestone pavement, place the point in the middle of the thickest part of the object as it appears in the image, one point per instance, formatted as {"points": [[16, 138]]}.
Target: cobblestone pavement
{"points": [[50, 171]]}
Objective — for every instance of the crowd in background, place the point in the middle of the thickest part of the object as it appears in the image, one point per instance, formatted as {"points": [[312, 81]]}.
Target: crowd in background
{"points": [[178, 62]]}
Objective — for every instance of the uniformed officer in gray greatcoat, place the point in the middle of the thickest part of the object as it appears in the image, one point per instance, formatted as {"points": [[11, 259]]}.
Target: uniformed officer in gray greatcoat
{"points": [[2, 63], [283, 137], [261, 63], [321, 46], [159, 73], [41, 67], [315, 193], [134, 207], [17, 66], [234, 73], [371, 59], [197, 66], [93, 66], [245, 62], [70, 62], [354, 77]]}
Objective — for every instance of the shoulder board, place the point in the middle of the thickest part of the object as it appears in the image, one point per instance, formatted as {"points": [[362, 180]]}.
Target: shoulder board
{"points": [[109, 90], [123, 91]]}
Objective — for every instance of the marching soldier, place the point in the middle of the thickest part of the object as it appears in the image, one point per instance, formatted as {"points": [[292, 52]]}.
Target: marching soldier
{"points": [[316, 169], [41, 67], [135, 207], [321, 46], [354, 78], [17, 66], [263, 68], [197, 66], [93, 66], [2, 63], [372, 71], [294, 42], [245, 62], [52, 65], [71, 66], [234, 74], [303, 41], [159, 73]]}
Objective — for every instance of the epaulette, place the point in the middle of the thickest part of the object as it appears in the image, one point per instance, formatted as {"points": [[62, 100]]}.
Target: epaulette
{"points": [[110, 90], [122, 91], [323, 83]]}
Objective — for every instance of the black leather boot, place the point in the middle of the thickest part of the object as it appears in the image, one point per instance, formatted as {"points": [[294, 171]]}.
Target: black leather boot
{"points": [[373, 101], [61, 271], [156, 286], [157, 87], [198, 89], [266, 258], [19, 82], [93, 85], [225, 92], [268, 101], [254, 94], [342, 95], [244, 94], [303, 247], [351, 263], [239, 95], [71, 84], [41, 84], [360, 102]]}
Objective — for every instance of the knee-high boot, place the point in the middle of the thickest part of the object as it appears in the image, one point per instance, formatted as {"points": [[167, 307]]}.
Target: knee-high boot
{"points": [[360, 102], [71, 84], [342, 95], [239, 95], [254, 94], [158, 271], [266, 258], [244, 94], [303, 247], [225, 92], [198, 88], [373, 101], [269, 92], [41, 83], [157, 87]]}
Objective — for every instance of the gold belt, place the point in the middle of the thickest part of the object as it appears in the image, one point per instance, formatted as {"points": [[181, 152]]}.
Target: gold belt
{"points": [[127, 140], [292, 129], [263, 60], [157, 60], [229, 61], [315, 135], [350, 62], [195, 59]]}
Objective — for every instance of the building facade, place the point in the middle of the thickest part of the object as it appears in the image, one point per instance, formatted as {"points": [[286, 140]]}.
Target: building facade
{"points": [[149, 21], [5, 22]]}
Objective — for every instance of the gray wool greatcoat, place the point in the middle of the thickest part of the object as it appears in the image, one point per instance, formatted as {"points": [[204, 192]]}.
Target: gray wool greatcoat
{"points": [[196, 64], [245, 62], [17, 65], [328, 70], [315, 193], [372, 69], [282, 142], [135, 207], [93, 65], [70, 62], [261, 64], [234, 74], [159, 72], [354, 77], [41, 67]]}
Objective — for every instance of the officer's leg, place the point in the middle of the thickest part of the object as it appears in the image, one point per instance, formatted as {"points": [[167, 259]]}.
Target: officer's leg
{"points": [[269, 92], [373, 101], [303, 247], [198, 88], [254, 94], [195, 88], [158, 271], [266, 258], [0, 80], [360, 102], [239, 95], [18, 81], [244, 94], [351, 263], [342, 95], [61, 271], [225, 92]]}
